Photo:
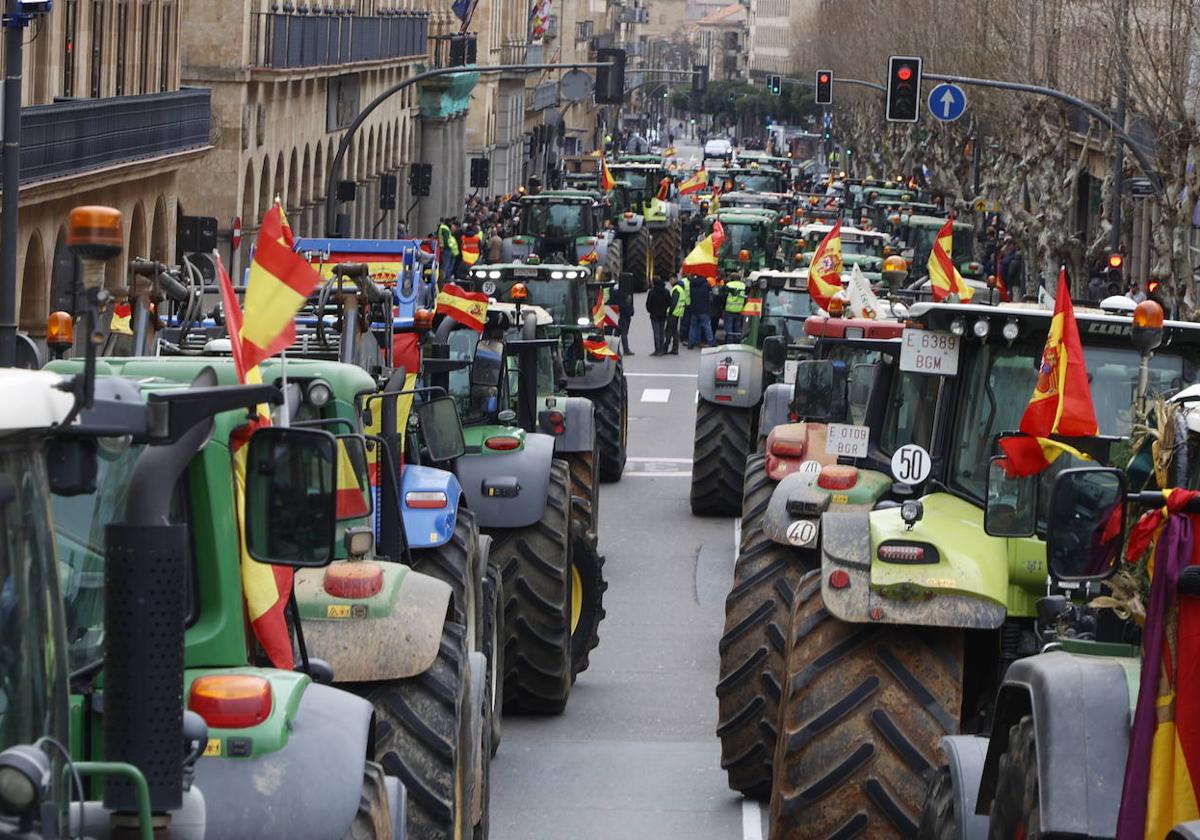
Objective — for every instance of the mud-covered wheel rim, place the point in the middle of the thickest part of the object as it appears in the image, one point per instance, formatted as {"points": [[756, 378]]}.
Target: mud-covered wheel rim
{"points": [[576, 597]]}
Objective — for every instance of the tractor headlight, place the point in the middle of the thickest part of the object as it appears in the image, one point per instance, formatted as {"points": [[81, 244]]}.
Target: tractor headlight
{"points": [[556, 275], [1011, 331], [493, 275], [319, 393], [980, 328], [24, 778]]}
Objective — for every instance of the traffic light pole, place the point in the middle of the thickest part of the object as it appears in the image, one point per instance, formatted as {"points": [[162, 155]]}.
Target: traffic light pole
{"points": [[352, 129], [837, 80]]}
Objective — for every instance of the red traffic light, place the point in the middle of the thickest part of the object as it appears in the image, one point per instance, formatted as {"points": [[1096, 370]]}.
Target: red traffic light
{"points": [[823, 78], [1152, 285], [1115, 260], [904, 73]]}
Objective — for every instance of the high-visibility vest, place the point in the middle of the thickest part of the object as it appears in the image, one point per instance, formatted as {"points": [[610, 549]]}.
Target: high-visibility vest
{"points": [[446, 237], [735, 296], [679, 297], [471, 248]]}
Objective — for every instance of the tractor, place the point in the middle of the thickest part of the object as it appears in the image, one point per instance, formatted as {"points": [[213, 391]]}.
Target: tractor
{"points": [[751, 240], [924, 601], [731, 381], [661, 217], [567, 226], [915, 237]]}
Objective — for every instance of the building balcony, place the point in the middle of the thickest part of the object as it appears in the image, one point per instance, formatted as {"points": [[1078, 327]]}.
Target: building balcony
{"points": [[296, 42], [73, 137]]}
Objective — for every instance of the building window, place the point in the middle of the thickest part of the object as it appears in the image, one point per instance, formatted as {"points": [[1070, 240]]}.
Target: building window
{"points": [[164, 66], [147, 50], [72, 21], [122, 48], [97, 63]]}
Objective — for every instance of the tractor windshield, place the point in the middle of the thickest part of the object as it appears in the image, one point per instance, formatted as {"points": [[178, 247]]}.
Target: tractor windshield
{"points": [[784, 311], [921, 240], [862, 246], [740, 236], [637, 179], [557, 297], [999, 380], [476, 387], [545, 219], [33, 693], [761, 182]]}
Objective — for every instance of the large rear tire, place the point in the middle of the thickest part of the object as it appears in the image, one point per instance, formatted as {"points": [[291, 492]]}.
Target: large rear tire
{"points": [[1016, 811], [587, 599], [419, 736], [536, 564], [373, 821], [612, 424], [614, 261], [455, 562], [863, 712], [939, 820], [753, 650], [585, 488], [493, 649], [667, 244], [719, 453], [639, 260]]}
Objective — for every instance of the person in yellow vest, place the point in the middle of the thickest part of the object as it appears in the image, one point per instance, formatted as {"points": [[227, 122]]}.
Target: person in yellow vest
{"points": [[735, 302], [471, 246], [679, 302], [449, 245]]}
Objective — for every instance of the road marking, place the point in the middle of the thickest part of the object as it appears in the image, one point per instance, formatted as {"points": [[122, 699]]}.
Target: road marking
{"points": [[656, 375], [656, 395], [656, 474], [660, 460], [737, 536], [751, 820]]}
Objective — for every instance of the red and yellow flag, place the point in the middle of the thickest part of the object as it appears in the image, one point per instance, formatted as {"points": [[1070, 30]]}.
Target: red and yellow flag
{"points": [[280, 281], [702, 261], [599, 349], [1062, 399], [351, 495], [664, 189], [753, 307], [695, 183], [825, 271], [943, 275], [607, 181], [603, 314], [121, 323], [468, 308], [1028, 455]]}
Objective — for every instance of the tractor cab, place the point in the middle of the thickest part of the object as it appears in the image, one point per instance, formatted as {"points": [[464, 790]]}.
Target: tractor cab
{"points": [[561, 226], [751, 239], [785, 306], [781, 203], [916, 234]]}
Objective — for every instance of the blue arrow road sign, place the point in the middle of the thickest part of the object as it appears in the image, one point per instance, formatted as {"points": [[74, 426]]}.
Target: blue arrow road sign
{"points": [[947, 102]]}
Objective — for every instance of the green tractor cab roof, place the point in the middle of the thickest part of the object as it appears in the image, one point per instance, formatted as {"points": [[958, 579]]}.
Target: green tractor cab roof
{"points": [[796, 281], [850, 234], [561, 197], [640, 159], [919, 221], [636, 166], [745, 216]]}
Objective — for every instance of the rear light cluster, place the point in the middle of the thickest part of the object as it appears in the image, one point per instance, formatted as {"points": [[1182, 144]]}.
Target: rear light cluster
{"points": [[727, 374], [837, 477], [426, 499], [788, 448], [231, 701], [839, 579], [556, 423], [913, 553], [353, 580], [502, 443]]}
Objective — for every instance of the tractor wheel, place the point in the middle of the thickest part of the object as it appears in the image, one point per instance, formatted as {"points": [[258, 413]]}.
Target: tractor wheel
{"points": [[493, 649], [758, 610], [1015, 807], [478, 739], [757, 488], [454, 562], [864, 709], [373, 821], [614, 261], [939, 820], [612, 424], [639, 260], [419, 734], [585, 488], [587, 599], [536, 564], [667, 245], [719, 459]]}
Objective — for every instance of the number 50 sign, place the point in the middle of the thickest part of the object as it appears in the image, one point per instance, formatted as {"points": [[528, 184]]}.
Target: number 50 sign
{"points": [[911, 464]]}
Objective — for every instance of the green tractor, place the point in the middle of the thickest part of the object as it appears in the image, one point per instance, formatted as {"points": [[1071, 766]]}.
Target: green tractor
{"points": [[915, 237], [661, 218], [924, 601], [732, 380], [751, 240], [567, 226]]}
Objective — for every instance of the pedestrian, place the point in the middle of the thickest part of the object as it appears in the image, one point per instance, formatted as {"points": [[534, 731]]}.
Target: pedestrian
{"points": [[495, 245], [735, 302], [449, 246], [1012, 267], [700, 296], [717, 304], [1096, 288], [625, 314], [1135, 292], [679, 300], [658, 304]]}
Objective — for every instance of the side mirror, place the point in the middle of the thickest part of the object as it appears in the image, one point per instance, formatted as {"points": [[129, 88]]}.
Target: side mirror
{"points": [[774, 350], [291, 501], [485, 369], [1085, 523], [354, 496], [441, 429], [1011, 509], [820, 391]]}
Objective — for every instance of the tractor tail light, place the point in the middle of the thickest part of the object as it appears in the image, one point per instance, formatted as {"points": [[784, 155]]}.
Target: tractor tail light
{"points": [[839, 579], [502, 443], [788, 448], [231, 701], [837, 477], [727, 374], [557, 422], [902, 553], [425, 499], [353, 580]]}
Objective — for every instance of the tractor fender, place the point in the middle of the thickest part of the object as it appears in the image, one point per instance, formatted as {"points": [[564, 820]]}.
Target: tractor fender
{"points": [[965, 756], [625, 226], [774, 412], [579, 424], [530, 466], [748, 391], [329, 740], [781, 526], [429, 527], [597, 374], [390, 636], [1080, 708]]}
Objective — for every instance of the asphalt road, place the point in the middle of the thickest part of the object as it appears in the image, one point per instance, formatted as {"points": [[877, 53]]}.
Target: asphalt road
{"points": [[635, 755]]}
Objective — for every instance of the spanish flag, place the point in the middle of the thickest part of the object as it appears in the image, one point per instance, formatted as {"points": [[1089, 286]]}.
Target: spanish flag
{"points": [[1029, 455], [943, 275], [603, 315], [702, 261], [468, 308], [599, 349], [825, 271], [280, 281], [120, 323], [752, 308], [694, 183], [351, 496], [664, 189], [607, 181]]}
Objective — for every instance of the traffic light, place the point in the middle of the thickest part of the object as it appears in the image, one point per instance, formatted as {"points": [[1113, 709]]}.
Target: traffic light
{"points": [[775, 85], [699, 78], [480, 172], [387, 192], [903, 88], [824, 87], [1153, 286], [610, 81], [1114, 274], [420, 179]]}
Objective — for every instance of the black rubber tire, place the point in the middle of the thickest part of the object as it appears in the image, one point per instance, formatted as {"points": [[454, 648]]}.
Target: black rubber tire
{"points": [[612, 424], [493, 649], [939, 819], [863, 712], [757, 488], [614, 261], [585, 488], [373, 820], [419, 725], [588, 585], [454, 562], [667, 244], [483, 827], [1015, 807], [536, 566], [752, 652], [638, 253], [719, 458]]}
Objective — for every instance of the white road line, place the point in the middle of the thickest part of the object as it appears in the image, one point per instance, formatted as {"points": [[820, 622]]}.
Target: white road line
{"points": [[656, 375], [751, 820], [656, 395], [656, 474], [660, 460]]}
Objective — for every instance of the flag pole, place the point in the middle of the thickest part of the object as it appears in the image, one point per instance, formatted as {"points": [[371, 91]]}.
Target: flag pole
{"points": [[284, 419]]}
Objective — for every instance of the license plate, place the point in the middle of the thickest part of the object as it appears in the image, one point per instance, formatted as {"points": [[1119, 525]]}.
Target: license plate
{"points": [[525, 272], [845, 439], [923, 351]]}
